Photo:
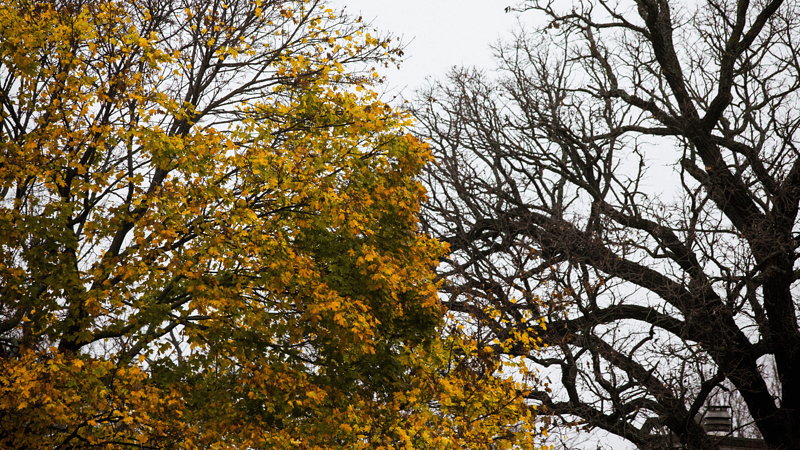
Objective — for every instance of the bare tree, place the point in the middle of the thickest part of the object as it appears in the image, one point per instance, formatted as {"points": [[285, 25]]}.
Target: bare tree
{"points": [[631, 174]]}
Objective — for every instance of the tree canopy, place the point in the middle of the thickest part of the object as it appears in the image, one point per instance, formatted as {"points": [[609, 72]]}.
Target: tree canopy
{"points": [[635, 165], [209, 239]]}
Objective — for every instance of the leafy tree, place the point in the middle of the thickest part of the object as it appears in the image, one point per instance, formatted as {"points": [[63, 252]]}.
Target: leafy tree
{"points": [[634, 164], [209, 238]]}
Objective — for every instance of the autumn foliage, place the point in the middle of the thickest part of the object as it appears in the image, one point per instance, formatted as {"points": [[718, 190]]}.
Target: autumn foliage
{"points": [[209, 239]]}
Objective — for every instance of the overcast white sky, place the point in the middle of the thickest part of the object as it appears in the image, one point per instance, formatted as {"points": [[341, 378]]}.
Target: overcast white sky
{"points": [[439, 34]]}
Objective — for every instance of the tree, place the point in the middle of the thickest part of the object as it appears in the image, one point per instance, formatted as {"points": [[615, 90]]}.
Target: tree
{"points": [[209, 238], [631, 179]]}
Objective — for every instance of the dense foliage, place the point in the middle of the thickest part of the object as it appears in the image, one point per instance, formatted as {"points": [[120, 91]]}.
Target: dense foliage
{"points": [[209, 238]]}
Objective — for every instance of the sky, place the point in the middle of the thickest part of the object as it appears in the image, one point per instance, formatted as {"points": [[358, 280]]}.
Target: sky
{"points": [[438, 34]]}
